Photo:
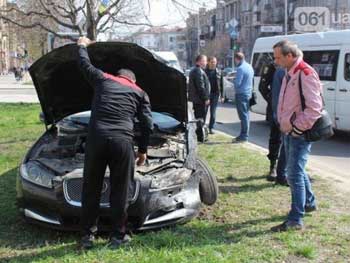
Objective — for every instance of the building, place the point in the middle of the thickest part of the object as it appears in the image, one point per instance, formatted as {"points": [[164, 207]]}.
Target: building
{"points": [[162, 39], [234, 25], [4, 43]]}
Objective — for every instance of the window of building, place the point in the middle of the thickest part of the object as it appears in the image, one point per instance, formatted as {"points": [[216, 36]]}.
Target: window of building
{"points": [[171, 39]]}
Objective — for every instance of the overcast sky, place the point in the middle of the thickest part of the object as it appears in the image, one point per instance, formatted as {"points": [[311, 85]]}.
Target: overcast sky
{"points": [[165, 12]]}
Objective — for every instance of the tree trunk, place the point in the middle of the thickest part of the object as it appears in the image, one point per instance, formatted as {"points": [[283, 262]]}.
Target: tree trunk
{"points": [[90, 22]]}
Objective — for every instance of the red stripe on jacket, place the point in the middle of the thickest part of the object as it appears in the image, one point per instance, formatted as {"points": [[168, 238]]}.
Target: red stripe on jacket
{"points": [[123, 81]]}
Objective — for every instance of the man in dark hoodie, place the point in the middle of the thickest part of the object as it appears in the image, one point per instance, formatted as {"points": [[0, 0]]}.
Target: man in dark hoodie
{"points": [[117, 101]]}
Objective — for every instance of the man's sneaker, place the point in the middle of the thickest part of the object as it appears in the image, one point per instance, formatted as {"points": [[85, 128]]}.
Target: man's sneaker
{"points": [[115, 242], [211, 131], [286, 226], [87, 241], [309, 208]]}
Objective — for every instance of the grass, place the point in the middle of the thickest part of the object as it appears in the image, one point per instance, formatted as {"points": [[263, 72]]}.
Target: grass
{"points": [[235, 229]]}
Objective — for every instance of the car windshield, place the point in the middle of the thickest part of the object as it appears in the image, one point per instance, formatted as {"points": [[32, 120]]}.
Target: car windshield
{"points": [[163, 121]]}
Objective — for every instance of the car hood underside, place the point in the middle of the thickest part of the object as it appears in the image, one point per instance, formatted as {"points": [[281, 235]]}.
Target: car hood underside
{"points": [[63, 90]]}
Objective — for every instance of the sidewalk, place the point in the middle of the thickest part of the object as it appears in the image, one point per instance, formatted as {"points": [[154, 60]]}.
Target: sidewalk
{"points": [[12, 91]]}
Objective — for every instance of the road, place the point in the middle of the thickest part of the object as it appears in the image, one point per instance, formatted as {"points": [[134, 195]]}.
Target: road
{"points": [[329, 158]]}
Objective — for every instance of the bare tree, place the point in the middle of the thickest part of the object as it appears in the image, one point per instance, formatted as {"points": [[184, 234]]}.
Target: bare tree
{"points": [[84, 17]]}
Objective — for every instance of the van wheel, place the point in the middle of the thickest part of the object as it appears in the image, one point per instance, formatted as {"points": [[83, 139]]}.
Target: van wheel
{"points": [[208, 185]]}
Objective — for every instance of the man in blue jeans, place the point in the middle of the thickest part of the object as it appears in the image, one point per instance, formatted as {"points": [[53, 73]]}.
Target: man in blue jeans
{"points": [[243, 88], [294, 121]]}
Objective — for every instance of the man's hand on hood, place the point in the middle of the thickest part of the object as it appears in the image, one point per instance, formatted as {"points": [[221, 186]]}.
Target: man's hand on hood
{"points": [[84, 41]]}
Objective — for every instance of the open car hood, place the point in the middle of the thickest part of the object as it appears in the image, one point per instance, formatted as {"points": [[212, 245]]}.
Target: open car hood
{"points": [[63, 90]]}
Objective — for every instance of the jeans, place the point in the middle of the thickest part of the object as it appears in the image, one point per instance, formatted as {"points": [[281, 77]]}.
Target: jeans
{"points": [[242, 104], [282, 165], [214, 99], [297, 151]]}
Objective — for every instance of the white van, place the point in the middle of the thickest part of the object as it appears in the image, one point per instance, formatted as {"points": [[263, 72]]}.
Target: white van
{"points": [[170, 59], [329, 54]]}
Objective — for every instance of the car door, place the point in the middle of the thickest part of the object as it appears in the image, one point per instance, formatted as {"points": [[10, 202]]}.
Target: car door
{"points": [[342, 112]]}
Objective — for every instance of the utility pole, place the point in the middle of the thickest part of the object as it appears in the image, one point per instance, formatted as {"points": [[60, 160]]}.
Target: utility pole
{"points": [[198, 33], [286, 17]]}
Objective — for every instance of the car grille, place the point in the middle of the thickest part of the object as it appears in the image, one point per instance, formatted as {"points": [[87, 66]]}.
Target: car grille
{"points": [[73, 191]]}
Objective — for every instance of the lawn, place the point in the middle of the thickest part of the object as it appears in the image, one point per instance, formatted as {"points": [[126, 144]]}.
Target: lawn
{"points": [[235, 229]]}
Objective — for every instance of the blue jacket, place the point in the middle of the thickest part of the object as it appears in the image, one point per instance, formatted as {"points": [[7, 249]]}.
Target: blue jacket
{"points": [[244, 79], [275, 90]]}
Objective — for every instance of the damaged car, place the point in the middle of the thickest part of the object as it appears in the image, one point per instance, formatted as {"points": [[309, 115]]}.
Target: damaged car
{"points": [[168, 189]]}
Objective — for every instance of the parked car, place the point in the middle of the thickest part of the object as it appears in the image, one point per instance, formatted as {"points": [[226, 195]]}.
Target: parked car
{"points": [[227, 71], [167, 190], [229, 91]]}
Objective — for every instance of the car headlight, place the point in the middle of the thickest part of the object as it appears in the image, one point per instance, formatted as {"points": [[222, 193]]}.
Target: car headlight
{"points": [[170, 177], [36, 174]]}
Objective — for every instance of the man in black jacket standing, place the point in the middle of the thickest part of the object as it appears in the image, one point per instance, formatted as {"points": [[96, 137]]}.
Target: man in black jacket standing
{"points": [[117, 101], [216, 89], [198, 91]]}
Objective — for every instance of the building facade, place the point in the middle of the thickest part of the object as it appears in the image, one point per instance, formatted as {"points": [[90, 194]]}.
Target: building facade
{"points": [[4, 43], [234, 25], [163, 39]]}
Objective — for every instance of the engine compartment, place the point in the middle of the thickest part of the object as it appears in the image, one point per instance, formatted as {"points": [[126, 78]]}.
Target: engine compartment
{"points": [[62, 150]]}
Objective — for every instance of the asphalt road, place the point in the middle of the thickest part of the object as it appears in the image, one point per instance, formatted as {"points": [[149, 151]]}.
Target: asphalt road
{"points": [[331, 157]]}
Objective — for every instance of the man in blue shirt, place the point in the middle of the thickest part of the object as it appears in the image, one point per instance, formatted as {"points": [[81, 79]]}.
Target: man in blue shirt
{"points": [[243, 88]]}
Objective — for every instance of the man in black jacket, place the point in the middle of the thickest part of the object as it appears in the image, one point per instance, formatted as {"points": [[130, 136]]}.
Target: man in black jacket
{"points": [[198, 91], [269, 87], [117, 101], [216, 89]]}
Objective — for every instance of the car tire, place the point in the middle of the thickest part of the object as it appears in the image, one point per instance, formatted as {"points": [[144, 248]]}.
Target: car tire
{"points": [[208, 185]]}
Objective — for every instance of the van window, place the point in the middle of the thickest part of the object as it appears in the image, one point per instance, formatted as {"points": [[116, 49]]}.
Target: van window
{"points": [[325, 62], [347, 67], [259, 59]]}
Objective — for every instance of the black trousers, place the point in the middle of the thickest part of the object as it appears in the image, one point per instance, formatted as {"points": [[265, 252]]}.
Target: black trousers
{"points": [[275, 142], [118, 154], [200, 112]]}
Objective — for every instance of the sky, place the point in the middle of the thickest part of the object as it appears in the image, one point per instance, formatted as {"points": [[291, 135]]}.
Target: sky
{"points": [[165, 12]]}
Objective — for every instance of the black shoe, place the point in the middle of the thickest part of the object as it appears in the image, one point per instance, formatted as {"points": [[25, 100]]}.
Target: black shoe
{"points": [[87, 241], [286, 226], [239, 140], [271, 177], [309, 209], [211, 131], [281, 182], [115, 242]]}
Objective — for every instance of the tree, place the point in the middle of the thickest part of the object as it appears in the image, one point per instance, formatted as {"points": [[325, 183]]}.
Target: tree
{"points": [[89, 17]]}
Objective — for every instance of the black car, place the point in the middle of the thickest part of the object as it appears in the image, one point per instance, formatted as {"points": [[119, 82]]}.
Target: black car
{"points": [[168, 189]]}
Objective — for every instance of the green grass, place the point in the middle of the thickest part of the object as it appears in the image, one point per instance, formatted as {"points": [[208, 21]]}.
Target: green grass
{"points": [[235, 229]]}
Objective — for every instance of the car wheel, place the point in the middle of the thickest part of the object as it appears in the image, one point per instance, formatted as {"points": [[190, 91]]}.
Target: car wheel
{"points": [[208, 185]]}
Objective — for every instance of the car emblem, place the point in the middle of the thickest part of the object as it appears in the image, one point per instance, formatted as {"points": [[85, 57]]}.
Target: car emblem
{"points": [[104, 187]]}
